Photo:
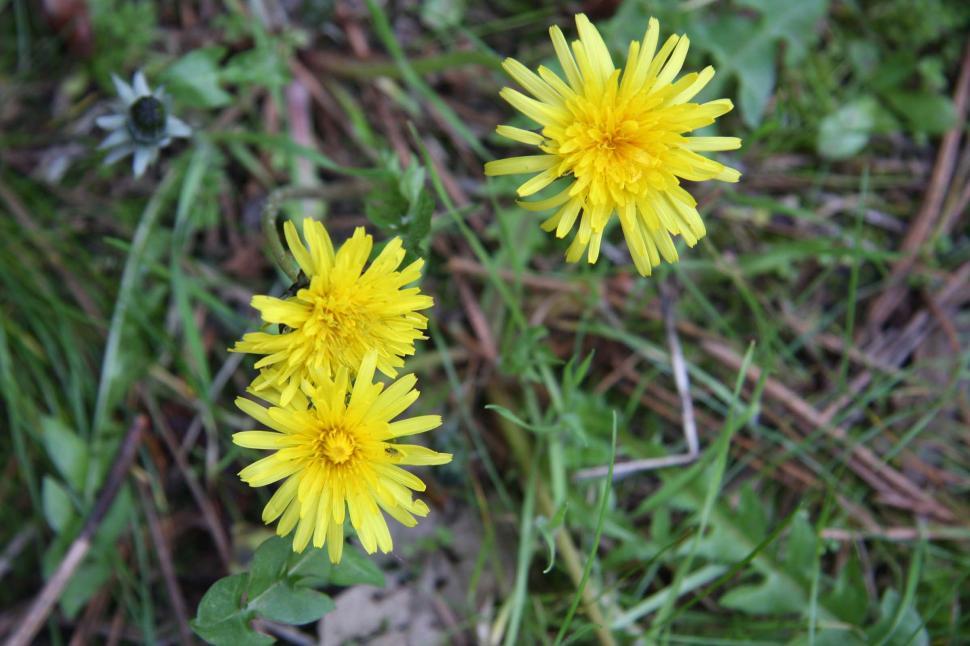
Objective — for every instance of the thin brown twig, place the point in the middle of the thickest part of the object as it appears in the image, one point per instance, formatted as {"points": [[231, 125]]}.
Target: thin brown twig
{"points": [[52, 590], [863, 460], [931, 209], [477, 320], [688, 423], [165, 563], [209, 514], [14, 547], [899, 534]]}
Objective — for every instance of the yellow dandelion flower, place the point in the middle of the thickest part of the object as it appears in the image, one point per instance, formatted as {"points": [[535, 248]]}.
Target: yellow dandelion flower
{"points": [[619, 135], [344, 311], [335, 450]]}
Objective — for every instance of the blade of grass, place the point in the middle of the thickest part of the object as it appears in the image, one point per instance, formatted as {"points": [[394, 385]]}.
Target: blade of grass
{"points": [[111, 373], [604, 502]]}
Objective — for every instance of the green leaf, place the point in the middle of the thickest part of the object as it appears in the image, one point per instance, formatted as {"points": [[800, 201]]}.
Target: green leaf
{"points": [[774, 595], [442, 14], [68, 451], [751, 512], [269, 564], [846, 131], [747, 49], [802, 541], [354, 569], [259, 66], [924, 112], [292, 605], [401, 205], [793, 22], [222, 600], [195, 79], [87, 580], [58, 508], [781, 593], [848, 597], [909, 630], [230, 632]]}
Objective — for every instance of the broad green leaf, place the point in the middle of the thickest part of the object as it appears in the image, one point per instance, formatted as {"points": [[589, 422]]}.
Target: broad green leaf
{"points": [[924, 112], [783, 589], [401, 205], [747, 49], [792, 22], [846, 131], [259, 66], [234, 631], [442, 14], [68, 451], [269, 565], [848, 597], [58, 508], [195, 79], [751, 512], [291, 605], [774, 595], [222, 600], [909, 631], [87, 580], [354, 569], [800, 549]]}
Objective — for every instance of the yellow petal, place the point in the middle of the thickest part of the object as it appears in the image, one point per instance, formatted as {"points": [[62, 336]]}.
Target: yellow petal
{"points": [[519, 165]]}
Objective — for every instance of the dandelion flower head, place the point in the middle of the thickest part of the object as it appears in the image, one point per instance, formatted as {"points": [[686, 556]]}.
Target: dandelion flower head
{"points": [[619, 136], [141, 126], [343, 311], [334, 447]]}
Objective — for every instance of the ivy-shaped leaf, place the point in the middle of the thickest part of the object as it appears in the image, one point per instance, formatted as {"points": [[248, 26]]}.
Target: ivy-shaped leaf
{"points": [[747, 48]]}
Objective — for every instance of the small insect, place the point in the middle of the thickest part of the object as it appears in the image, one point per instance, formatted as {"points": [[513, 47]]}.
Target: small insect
{"points": [[390, 450], [302, 282]]}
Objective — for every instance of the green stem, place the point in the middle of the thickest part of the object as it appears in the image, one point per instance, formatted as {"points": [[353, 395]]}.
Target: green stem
{"points": [[271, 211]]}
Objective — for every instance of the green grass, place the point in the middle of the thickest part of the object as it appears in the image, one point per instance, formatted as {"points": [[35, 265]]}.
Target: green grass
{"points": [[794, 525]]}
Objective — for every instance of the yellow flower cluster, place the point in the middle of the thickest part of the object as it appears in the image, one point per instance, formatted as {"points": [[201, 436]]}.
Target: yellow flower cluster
{"points": [[617, 136], [331, 427]]}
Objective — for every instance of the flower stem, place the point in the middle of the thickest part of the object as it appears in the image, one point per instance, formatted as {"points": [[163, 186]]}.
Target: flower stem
{"points": [[271, 211]]}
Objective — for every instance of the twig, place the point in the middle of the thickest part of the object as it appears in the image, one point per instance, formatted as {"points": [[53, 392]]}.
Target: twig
{"points": [[899, 534], [44, 602], [682, 381], [864, 462], [931, 208], [14, 547], [165, 562], [205, 505]]}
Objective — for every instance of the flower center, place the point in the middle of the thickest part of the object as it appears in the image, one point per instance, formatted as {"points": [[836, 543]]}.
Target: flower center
{"points": [[338, 320], [613, 148], [147, 118], [336, 445]]}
